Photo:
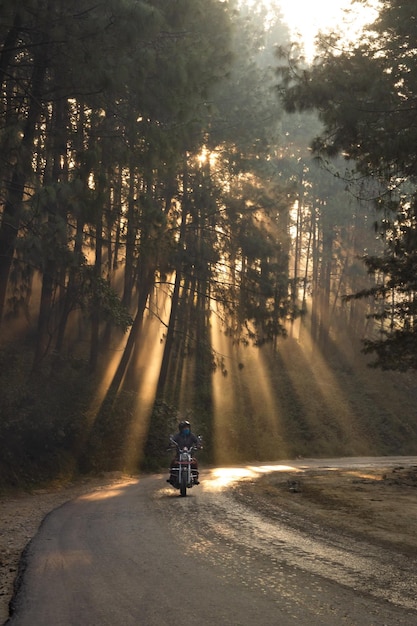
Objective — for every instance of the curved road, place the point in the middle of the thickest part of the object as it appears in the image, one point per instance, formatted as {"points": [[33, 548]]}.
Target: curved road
{"points": [[138, 554]]}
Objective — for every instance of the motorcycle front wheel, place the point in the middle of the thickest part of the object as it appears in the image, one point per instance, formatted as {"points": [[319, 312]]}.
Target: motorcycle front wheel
{"points": [[183, 484]]}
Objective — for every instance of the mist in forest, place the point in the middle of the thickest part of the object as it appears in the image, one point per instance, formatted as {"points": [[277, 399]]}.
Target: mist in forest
{"points": [[176, 242]]}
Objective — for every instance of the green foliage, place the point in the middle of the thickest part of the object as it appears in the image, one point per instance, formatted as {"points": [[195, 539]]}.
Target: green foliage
{"points": [[105, 449], [163, 423], [365, 98], [98, 294], [116, 197], [105, 444], [41, 419], [47, 430]]}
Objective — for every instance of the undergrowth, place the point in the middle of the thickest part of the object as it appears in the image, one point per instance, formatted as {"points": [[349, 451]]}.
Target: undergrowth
{"points": [[47, 432]]}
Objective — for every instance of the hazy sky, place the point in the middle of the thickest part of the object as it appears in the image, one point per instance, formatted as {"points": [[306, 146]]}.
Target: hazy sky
{"points": [[307, 17]]}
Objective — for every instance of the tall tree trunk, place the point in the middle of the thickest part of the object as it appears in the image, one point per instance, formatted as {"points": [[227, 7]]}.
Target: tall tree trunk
{"points": [[9, 48], [73, 279], [95, 312], [130, 240], [315, 299], [58, 149], [117, 202], [169, 341], [98, 263], [135, 330], [325, 286], [10, 223], [71, 290]]}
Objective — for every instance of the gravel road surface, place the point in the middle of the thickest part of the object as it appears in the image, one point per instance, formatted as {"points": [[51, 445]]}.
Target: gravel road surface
{"points": [[138, 554]]}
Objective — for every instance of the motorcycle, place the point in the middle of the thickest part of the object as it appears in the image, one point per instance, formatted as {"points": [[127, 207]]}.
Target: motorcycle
{"points": [[183, 475]]}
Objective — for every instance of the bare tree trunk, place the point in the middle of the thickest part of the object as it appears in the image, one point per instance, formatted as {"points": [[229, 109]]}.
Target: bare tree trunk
{"points": [[130, 241], [10, 223], [58, 148], [135, 330], [73, 280], [97, 273], [169, 341], [117, 201]]}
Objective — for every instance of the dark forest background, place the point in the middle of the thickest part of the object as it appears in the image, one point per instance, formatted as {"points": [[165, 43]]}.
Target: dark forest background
{"points": [[196, 222]]}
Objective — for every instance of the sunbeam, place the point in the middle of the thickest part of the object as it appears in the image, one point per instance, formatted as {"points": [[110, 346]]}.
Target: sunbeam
{"points": [[247, 412], [325, 404], [306, 19], [147, 371]]}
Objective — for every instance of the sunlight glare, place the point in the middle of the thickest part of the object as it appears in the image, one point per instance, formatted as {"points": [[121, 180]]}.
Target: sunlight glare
{"points": [[207, 156], [59, 560], [306, 19], [223, 476], [106, 493]]}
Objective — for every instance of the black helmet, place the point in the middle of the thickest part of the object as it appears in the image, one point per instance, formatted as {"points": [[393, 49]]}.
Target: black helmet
{"points": [[184, 424]]}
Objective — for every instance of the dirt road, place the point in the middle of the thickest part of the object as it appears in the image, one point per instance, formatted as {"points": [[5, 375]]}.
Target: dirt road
{"points": [[139, 554]]}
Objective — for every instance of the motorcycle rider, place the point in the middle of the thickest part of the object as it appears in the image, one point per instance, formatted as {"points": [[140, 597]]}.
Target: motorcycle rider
{"points": [[186, 438]]}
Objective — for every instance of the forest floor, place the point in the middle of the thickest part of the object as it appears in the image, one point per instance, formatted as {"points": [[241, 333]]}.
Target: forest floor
{"points": [[379, 505]]}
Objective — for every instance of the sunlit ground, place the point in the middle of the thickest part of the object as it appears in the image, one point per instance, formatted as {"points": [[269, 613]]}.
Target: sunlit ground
{"points": [[224, 476], [221, 477], [72, 558], [106, 493]]}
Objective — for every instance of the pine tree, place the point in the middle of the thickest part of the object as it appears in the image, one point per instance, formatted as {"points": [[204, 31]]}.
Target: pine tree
{"points": [[366, 99]]}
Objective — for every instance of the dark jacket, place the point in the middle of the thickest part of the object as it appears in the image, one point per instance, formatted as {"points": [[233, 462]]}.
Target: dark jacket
{"points": [[186, 440]]}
